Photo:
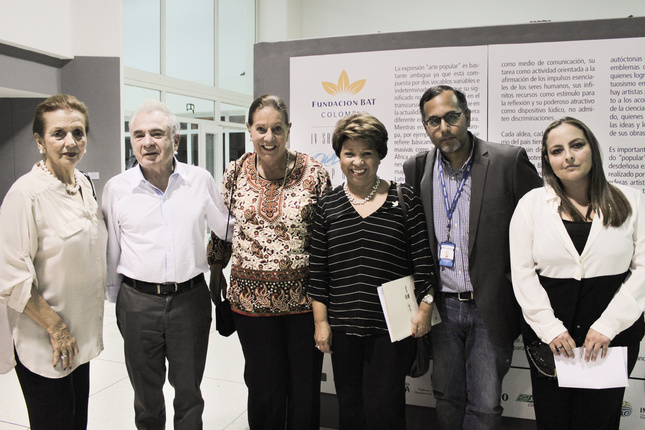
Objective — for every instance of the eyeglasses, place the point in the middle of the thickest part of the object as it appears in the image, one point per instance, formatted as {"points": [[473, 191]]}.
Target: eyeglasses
{"points": [[451, 118]]}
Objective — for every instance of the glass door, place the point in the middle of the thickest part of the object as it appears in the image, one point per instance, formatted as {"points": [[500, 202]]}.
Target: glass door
{"points": [[203, 144], [209, 138]]}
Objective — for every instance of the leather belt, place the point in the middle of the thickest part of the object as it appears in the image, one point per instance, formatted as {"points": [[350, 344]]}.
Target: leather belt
{"points": [[165, 288], [464, 296]]}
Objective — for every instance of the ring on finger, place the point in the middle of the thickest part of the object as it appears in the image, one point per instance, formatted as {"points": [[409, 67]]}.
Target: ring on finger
{"points": [[63, 356], [559, 347]]}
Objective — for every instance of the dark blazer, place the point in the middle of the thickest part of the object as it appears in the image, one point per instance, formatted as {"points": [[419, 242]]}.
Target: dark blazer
{"points": [[501, 175]]}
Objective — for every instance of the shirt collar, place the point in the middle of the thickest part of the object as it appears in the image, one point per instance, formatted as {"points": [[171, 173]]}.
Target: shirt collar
{"points": [[446, 163], [551, 197], [137, 178]]}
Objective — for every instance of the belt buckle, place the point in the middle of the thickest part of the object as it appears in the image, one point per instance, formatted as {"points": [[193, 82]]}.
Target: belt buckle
{"points": [[159, 292], [468, 296]]}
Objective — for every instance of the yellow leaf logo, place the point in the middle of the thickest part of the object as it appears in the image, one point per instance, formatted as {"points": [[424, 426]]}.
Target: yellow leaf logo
{"points": [[343, 86]]}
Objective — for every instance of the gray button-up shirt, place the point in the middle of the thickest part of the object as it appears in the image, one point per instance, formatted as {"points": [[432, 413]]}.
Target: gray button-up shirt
{"points": [[452, 279]]}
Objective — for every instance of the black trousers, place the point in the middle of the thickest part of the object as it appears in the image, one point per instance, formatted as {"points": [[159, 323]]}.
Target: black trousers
{"points": [[282, 371], [577, 408], [56, 403], [156, 329], [369, 376]]}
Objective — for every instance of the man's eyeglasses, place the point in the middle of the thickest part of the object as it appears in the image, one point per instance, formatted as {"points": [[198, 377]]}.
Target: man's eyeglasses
{"points": [[451, 118]]}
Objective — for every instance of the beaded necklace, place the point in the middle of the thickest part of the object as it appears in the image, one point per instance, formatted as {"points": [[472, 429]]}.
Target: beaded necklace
{"points": [[71, 189], [359, 202]]}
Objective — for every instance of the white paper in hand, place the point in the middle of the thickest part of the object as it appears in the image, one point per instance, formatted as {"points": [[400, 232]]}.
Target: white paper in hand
{"points": [[610, 372], [399, 306]]}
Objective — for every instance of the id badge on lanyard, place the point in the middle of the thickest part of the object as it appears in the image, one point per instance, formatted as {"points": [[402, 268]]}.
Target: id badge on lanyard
{"points": [[447, 254], [447, 248]]}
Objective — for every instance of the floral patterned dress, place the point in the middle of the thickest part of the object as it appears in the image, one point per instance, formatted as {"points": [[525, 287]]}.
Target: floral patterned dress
{"points": [[273, 226]]}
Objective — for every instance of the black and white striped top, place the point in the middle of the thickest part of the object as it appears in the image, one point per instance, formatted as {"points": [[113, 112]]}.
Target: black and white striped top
{"points": [[351, 256]]}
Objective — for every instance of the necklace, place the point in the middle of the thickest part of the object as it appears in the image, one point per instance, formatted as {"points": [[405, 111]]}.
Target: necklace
{"points": [[71, 189], [354, 201]]}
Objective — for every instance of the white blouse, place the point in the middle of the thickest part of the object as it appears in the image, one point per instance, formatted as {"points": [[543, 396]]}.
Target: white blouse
{"points": [[540, 244], [58, 243]]}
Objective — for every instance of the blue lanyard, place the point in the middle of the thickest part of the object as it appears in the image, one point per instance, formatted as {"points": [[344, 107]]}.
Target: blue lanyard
{"points": [[450, 209]]}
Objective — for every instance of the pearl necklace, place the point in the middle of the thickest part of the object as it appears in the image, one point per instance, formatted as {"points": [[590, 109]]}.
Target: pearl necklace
{"points": [[359, 202], [71, 189]]}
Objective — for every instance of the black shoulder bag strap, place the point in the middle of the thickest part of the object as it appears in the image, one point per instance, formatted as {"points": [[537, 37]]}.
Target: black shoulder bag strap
{"points": [[405, 224], [91, 183]]}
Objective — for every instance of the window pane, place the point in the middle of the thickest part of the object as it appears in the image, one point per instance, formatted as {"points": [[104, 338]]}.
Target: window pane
{"points": [[195, 148], [130, 159], [182, 150], [133, 96], [232, 113], [190, 40], [236, 39], [210, 152], [235, 140], [190, 107], [142, 35]]}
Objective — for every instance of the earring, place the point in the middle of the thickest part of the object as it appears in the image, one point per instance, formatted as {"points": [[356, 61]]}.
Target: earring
{"points": [[41, 150]]}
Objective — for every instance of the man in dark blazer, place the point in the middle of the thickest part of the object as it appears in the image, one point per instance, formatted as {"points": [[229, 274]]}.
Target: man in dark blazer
{"points": [[469, 189]]}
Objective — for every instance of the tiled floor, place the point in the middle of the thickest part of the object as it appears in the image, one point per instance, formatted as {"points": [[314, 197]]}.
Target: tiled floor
{"points": [[223, 389], [111, 394]]}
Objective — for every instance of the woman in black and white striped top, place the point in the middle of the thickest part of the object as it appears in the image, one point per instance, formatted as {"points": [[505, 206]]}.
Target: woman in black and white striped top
{"points": [[359, 243]]}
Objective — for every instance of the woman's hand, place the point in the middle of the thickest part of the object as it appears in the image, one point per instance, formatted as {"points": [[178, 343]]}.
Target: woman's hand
{"points": [[422, 320], [322, 329], [563, 344], [64, 345], [594, 343], [322, 336]]}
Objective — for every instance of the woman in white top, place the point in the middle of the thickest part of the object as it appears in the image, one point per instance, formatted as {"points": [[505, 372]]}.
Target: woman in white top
{"points": [[577, 256], [52, 254]]}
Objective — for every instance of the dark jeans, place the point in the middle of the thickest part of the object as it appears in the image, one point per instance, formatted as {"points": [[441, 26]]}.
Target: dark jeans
{"points": [[577, 408], [468, 368], [56, 403], [369, 376], [159, 328], [282, 371]]}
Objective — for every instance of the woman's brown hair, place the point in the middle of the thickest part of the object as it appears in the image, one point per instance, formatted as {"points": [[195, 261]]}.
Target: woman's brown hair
{"points": [[604, 197]]}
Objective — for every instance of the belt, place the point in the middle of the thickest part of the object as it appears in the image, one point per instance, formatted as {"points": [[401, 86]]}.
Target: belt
{"points": [[464, 296], [165, 288]]}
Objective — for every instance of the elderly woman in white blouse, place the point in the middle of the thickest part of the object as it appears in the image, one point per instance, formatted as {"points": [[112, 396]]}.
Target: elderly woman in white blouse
{"points": [[52, 254], [577, 263]]}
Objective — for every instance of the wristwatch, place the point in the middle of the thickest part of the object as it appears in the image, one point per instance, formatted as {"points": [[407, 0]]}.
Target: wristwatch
{"points": [[428, 298]]}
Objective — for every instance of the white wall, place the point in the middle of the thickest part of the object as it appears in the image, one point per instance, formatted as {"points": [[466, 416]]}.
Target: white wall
{"points": [[326, 18], [63, 28], [278, 20], [38, 25], [98, 28]]}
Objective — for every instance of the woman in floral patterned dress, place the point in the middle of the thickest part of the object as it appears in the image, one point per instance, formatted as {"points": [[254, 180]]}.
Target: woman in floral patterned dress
{"points": [[272, 193]]}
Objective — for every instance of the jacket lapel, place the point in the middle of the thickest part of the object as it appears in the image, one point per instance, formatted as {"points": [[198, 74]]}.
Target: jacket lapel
{"points": [[478, 181]]}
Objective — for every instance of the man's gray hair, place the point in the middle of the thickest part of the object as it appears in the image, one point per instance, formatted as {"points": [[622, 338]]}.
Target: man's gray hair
{"points": [[152, 105]]}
